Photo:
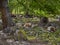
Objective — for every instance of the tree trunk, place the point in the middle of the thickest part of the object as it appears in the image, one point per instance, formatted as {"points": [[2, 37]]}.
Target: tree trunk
{"points": [[6, 17]]}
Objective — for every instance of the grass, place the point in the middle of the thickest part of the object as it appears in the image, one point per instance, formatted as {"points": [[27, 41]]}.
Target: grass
{"points": [[51, 37], [25, 36]]}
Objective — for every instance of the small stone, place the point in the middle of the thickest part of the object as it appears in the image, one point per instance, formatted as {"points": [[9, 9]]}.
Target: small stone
{"points": [[10, 40]]}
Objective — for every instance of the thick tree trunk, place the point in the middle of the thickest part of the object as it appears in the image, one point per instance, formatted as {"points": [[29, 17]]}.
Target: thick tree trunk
{"points": [[6, 17]]}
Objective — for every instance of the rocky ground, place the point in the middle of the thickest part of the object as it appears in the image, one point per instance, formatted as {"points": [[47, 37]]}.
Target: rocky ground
{"points": [[5, 40]]}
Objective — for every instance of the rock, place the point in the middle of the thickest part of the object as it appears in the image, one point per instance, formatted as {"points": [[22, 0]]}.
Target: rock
{"points": [[51, 29], [18, 25], [27, 25], [0, 21], [16, 43], [25, 43], [1, 27], [9, 30], [10, 40], [1, 31], [36, 19], [16, 33], [3, 35], [33, 25]]}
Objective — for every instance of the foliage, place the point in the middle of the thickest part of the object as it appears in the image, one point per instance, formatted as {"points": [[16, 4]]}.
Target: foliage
{"points": [[35, 7]]}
